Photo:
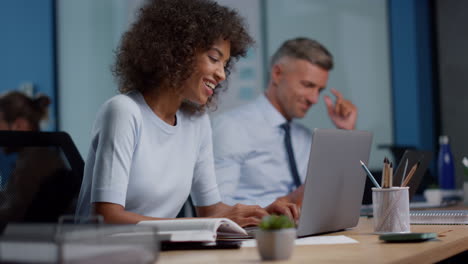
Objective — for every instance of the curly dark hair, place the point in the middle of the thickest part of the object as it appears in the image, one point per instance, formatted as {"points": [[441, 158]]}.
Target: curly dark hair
{"points": [[160, 47]]}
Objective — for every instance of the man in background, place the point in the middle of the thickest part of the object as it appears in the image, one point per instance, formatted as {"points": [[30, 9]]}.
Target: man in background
{"points": [[261, 152]]}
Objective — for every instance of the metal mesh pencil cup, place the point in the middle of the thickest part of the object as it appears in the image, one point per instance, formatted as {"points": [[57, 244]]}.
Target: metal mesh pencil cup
{"points": [[391, 210]]}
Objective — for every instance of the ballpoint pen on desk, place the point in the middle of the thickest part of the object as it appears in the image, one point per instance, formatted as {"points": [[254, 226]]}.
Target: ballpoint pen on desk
{"points": [[404, 173], [369, 174], [410, 174]]}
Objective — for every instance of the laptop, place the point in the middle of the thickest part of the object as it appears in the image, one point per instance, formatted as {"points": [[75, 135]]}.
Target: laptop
{"points": [[335, 181]]}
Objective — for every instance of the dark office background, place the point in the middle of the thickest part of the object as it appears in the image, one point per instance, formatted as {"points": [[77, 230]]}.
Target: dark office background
{"points": [[452, 49]]}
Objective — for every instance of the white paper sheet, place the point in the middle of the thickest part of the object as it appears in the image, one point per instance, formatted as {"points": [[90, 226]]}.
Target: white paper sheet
{"points": [[314, 240]]}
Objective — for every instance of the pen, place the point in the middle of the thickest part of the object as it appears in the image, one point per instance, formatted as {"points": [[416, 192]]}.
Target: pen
{"points": [[410, 174], [384, 173], [369, 174], [390, 175], [404, 172]]}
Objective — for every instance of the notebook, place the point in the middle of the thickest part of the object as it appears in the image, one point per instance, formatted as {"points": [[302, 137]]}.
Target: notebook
{"points": [[197, 230], [439, 217], [201, 233]]}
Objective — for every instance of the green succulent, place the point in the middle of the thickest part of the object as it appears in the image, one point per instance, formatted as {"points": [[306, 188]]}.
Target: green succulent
{"points": [[276, 222]]}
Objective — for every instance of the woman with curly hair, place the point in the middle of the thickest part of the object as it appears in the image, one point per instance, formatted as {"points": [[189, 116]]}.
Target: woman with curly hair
{"points": [[151, 145]]}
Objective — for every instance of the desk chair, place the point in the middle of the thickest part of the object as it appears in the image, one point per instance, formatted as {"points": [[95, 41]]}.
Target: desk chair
{"points": [[43, 177], [188, 210]]}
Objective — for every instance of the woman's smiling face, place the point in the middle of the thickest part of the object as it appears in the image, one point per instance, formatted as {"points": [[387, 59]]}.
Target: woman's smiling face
{"points": [[208, 73]]}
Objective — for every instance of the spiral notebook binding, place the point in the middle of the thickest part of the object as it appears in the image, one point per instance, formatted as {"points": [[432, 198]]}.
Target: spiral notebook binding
{"points": [[439, 217]]}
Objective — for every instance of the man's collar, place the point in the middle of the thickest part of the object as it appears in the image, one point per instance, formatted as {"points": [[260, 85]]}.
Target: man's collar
{"points": [[270, 113]]}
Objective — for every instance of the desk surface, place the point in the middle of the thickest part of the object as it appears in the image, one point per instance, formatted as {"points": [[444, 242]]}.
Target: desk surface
{"points": [[454, 240]]}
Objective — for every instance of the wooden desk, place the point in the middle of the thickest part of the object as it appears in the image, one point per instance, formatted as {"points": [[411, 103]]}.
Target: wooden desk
{"points": [[368, 250]]}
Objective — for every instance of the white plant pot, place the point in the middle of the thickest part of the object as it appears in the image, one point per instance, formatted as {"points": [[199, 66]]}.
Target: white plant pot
{"points": [[275, 244], [433, 196]]}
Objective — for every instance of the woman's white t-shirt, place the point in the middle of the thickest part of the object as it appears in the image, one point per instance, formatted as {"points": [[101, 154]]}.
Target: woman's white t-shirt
{"points": [[146, 165]]}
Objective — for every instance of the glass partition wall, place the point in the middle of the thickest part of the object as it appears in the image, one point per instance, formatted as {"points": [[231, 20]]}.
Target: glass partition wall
{"points": [[356, 32]]}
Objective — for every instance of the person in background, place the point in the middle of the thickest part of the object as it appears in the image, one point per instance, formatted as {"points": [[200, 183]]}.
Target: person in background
{"points": [[152, 145], [261, 152], [20, 112], [24, 170]]}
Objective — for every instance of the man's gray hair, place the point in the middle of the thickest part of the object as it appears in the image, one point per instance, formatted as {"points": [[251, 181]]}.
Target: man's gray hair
{"points": [[306, 49]]}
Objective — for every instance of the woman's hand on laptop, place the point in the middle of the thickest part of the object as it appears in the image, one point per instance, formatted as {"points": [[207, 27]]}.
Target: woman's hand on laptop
{"points": [[284, 206]]}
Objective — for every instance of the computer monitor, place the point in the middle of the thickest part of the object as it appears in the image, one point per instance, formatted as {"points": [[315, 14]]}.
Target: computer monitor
{"points": [[41, 174], [413, 156]]}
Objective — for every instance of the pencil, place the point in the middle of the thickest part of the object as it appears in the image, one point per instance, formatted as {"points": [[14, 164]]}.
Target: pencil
{"points": [[369, 174], [410, 174], [385, 174]]}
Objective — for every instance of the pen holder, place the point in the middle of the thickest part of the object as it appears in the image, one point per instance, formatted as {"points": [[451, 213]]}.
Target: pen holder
{"points": [[391, 210]]}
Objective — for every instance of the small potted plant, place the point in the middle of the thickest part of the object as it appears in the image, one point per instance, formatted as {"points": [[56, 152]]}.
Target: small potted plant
{"points": [[275, 238]]}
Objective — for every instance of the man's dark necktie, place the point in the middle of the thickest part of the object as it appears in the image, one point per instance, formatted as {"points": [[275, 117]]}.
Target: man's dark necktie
{"points": [[289, 149]]}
